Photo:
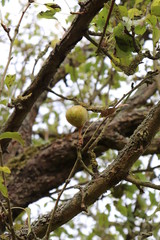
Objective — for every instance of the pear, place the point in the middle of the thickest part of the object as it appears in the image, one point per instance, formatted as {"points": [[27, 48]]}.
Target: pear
{"points": [[77, 116]]}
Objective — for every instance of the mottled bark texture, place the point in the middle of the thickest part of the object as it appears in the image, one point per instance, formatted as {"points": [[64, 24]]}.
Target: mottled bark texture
{"points": [[40, 169], [72, 36], [24, 103], [114, 173]]}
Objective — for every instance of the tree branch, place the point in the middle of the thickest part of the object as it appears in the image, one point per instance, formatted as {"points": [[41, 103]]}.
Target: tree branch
{"points": [[115, 172], [74, 34], [141, 183], [52, 163]]}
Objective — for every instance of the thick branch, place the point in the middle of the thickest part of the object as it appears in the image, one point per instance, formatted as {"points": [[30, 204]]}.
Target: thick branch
{"points": [[48, 166], [51, 65], [114, 173], [41, 169]]}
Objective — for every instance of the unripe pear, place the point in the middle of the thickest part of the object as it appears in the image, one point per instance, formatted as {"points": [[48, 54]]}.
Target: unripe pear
{"points": [[77, 116]]}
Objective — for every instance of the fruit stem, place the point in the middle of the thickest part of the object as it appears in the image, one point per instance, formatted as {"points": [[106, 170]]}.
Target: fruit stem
{"points": [[80, 137]]}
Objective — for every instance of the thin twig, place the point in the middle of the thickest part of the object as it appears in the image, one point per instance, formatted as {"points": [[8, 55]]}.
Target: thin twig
{"points": [[150, 161], [46, 237], [93, 141], [7, 30], [86, 35], [63, 97], [79, 159], [11, 47], [141, 183], [150, 169], [106, 24], [79, 156], [67, 188], [40, 55], [94, 144], [128, 70], [145, 80], [93, 136]]}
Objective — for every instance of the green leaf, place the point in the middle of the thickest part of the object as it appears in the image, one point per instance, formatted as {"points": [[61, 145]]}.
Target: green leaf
{"points": [[141, 203], [155, 8], [1, 179], [4, 102], [128, 23], [141, 176], [3, 190], [5, 169], [14, 135], [152, 198], [134, 12], [53, 6], [130, 190], [28, 212], [123, 11], [138, 1], [3, 2], [151, 19], [100, 18], [140, 29], [103, 220], [156, 35], [122, 209], [108, 207], [9, 80], [123, 52], [49, 14], [124, 42], [72, 71]]}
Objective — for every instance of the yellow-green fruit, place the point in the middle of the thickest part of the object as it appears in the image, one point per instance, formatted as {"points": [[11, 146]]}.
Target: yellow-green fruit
{"points": [[77, 116]]}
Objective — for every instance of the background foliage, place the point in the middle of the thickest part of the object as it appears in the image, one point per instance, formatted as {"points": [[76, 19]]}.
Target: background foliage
{"points": [[102, 70]]}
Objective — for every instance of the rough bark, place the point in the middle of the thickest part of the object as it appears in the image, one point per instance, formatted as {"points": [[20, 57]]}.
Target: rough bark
{"points": [[38, 170], [113, 174], [41, 169], [74, 34]]}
